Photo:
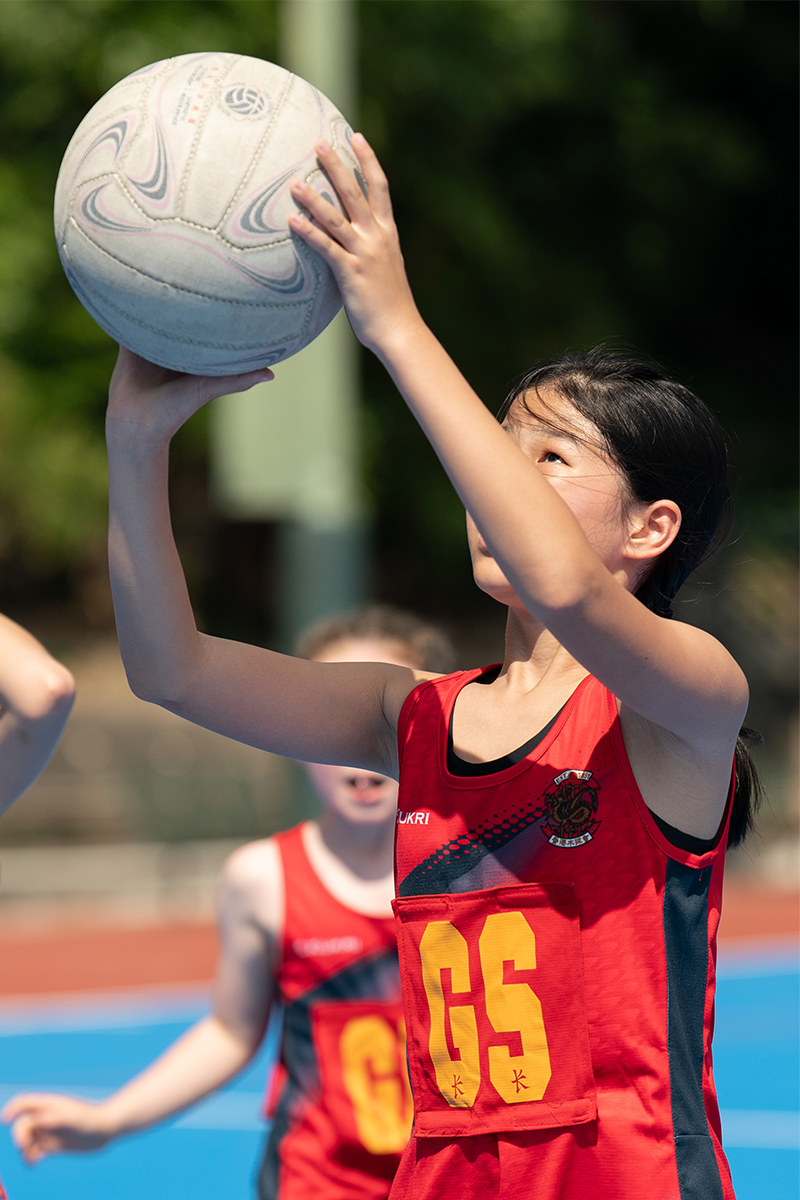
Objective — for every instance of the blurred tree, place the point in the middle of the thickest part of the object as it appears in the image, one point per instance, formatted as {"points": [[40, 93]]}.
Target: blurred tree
{"points": [[57, 57], [565, 173], [562, 173]]}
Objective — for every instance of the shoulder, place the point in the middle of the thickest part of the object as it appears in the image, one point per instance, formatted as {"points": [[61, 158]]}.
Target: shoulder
{"points": [[675, 676], [399, 686], [715, 680], [249, 864], [398, 690], [252, 885]]}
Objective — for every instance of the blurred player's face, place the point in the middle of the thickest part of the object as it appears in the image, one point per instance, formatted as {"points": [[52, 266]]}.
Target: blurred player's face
{"points": [[362, 797], [575, 464]]}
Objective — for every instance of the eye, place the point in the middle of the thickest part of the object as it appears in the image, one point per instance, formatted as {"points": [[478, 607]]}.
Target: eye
{"points": [[550, 456]]}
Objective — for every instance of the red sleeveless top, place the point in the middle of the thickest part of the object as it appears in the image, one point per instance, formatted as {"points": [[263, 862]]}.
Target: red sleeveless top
{"points": [[558, 964], [342, 1112]]}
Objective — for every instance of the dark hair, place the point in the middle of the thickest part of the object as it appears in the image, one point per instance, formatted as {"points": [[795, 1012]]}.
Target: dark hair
{"points": [[427, 648], [668, 444]]}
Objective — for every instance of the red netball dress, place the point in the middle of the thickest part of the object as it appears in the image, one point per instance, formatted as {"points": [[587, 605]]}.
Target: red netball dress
{"points": [[558, 961], [343, 1113]]}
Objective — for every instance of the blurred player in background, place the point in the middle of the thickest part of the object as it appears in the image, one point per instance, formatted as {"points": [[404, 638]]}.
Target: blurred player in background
{"points": [[305, 921], [36, 695]]}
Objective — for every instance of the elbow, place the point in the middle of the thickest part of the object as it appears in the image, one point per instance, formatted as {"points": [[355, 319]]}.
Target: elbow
{"points": [[143, 688], [147, 686], [148, 690], [166, 672], [50, 694]]}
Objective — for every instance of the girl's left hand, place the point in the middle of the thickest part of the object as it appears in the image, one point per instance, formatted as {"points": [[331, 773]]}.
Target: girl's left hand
{"points": [[362, 248]]}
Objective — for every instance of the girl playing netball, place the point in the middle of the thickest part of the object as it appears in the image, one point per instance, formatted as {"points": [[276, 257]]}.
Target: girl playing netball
{"points": [[559, 886], [305, 922]]}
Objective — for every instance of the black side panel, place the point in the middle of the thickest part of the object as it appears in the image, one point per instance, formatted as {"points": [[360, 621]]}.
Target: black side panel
{"points": [[268, 1176], [686, 942], [376, 977]]}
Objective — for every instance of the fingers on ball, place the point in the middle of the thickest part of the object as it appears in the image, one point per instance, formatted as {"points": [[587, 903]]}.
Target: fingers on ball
{"points": [[374, 176], [317, 238], [343, 180]]}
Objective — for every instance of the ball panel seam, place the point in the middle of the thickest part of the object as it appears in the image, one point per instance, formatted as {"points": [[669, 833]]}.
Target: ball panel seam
{"points": [[264, 139], [280, 305], [173, 337], [284, 240], [229, 61]]}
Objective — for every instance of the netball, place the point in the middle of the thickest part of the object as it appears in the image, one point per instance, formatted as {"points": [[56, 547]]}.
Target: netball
{"points": [[171, 212]]}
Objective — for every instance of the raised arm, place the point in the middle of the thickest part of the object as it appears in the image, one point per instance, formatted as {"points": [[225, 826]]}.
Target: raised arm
{"points": [[312, 711], [36, 695], [672, 674]]}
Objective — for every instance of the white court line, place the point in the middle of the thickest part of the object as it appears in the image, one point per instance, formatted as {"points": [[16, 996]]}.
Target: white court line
{"points": [[760, 1129], [227, 1110], [238, 1111], [742, 1129], [113, 1009]]}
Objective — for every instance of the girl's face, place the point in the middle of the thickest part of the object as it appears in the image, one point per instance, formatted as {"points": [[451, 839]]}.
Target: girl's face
{"points": [[362, 797], [576, 465]]}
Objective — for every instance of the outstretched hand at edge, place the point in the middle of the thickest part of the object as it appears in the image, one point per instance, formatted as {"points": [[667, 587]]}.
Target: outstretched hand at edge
{"points": [[44, 1124]]}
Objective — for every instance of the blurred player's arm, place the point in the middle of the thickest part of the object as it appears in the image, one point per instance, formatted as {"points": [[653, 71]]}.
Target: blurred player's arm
{"points": [[250, 917], [36, 695], [317, 712]]}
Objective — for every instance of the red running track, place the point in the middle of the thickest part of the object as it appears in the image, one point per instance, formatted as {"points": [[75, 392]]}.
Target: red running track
{"points": [[91, 958]]}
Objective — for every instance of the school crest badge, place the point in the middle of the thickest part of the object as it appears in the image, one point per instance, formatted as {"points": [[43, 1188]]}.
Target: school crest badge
{"points": [[570, 809]]}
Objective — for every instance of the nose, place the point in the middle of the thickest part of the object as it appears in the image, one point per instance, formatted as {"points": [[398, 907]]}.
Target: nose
{"points": [[364, 783]]}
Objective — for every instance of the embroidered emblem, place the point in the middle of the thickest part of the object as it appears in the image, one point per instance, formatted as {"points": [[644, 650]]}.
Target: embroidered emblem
{"points": [[570, 809]]}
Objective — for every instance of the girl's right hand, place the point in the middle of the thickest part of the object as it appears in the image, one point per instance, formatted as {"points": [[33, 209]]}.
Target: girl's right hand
{"points": [[150, 402], [44, 1123]]}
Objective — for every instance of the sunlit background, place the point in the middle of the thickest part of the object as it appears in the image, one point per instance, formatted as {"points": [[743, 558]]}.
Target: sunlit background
{"points": [[563, 172]]}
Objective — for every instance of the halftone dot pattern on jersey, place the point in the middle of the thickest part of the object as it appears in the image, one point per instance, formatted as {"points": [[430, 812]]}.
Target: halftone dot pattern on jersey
{"points": [[457, 857]]}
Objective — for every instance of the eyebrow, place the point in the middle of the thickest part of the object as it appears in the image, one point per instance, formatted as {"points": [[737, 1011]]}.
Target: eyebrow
{"points": [[545, 427]]}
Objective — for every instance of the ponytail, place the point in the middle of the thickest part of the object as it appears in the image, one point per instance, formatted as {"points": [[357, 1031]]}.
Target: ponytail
{"points": [[748, 792]]}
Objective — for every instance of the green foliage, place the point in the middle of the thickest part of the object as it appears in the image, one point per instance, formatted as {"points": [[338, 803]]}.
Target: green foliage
{"points": [[57, 57], [562, 173], [567, 173]]}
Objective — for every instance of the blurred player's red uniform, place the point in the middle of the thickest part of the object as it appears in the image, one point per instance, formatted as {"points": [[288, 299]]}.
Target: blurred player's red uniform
{"points": [[342, 1106], [558, 962]]}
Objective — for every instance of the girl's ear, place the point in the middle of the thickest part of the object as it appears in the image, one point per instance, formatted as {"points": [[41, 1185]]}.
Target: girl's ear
{"points": [[653, 528]]}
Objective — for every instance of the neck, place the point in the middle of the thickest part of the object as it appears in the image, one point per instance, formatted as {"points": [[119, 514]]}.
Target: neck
{"points": [[366, 849], [531, 651]]}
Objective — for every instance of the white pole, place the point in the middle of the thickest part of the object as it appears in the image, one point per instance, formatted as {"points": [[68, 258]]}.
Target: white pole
{"points": [[288, 450]]}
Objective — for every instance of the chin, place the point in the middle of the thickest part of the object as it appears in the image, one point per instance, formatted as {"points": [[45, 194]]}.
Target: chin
{"points": [[496, 585]]}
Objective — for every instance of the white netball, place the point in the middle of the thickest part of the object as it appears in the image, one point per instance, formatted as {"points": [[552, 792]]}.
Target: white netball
{"points": [[171, 212]]}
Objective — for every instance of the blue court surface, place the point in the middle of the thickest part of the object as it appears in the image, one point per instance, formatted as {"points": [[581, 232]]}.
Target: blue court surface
{"points": [[212, 1151]]}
